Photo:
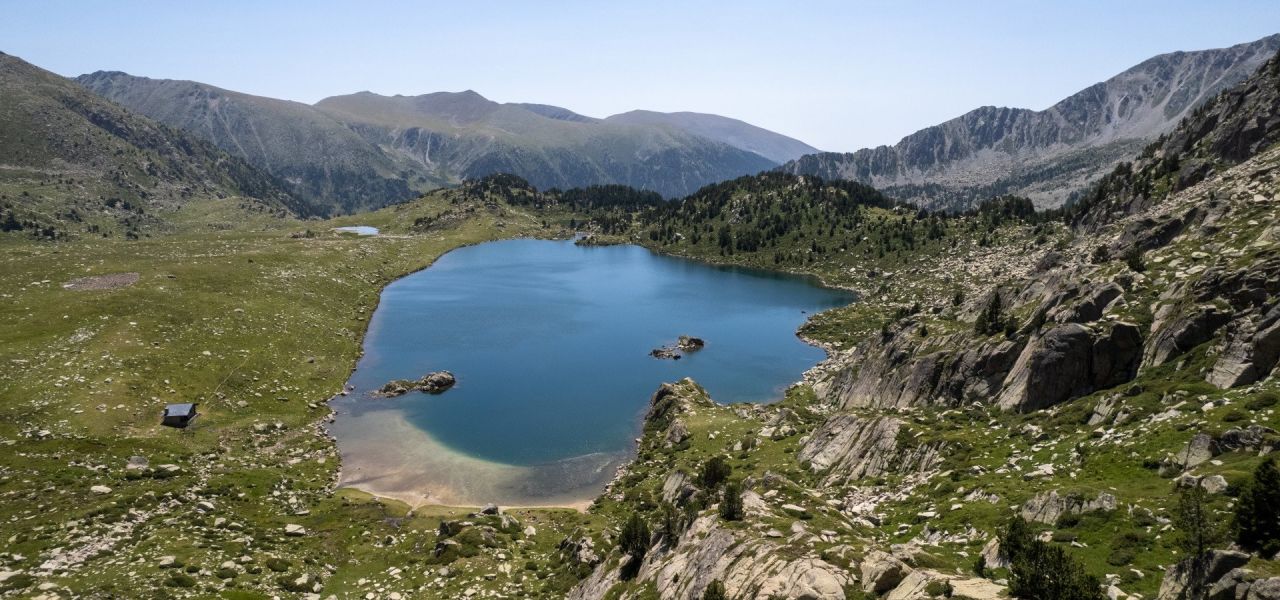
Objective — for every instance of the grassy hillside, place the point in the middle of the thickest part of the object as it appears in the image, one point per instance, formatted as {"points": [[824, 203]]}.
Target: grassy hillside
{"points": [[74, 164], [317, 157]]}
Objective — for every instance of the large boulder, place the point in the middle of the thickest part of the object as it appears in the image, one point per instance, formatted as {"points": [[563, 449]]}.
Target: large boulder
{"points": [[437, 382], [882, 572], [1051, 369], [1190, 579], [1264, 589], [1250, 350], [1048, 507]]}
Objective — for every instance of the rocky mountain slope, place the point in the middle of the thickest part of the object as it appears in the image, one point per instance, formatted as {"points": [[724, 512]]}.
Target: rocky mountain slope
{"points": [[362, 151], [318, 157], [745, 136], [1047, 155], [464, 135], [69, 157], [1078, 384]]}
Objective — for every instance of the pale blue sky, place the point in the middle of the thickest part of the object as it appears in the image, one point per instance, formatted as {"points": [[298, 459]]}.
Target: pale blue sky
{"points": [[838, 75]]}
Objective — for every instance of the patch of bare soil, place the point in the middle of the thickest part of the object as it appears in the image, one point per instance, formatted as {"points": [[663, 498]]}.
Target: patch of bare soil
{"points": [[102, 282]]}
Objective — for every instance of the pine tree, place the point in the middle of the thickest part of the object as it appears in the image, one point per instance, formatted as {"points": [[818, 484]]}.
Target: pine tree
{"points": [[714, 472], [635, 537], [731, 502], [989, 320], [1257, 518]]}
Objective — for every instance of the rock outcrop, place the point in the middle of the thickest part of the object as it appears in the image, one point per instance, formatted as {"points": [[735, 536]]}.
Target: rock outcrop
{"points": [[1070, 360], [1190, 578], [1048, 507], [847, 447], [431, 383], [748, 568]]}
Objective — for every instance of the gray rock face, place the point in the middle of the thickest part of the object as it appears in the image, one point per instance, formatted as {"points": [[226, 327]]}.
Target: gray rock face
{"points": [[1048, 507], [1188, 580], [1233, 586], [1264, 589], [894, 373], [748, 568], [882, 572], [849, 447], [1250, 350], [1067, 361], [1049, 154]]}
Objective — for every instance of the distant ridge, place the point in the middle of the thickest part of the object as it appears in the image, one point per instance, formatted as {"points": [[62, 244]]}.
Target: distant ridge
{"points": [[1047, 155], [364, 150]]}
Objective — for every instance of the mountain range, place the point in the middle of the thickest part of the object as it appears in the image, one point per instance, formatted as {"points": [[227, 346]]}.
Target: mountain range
{"points": [[365, 150], [1049, 155], [69, 155]]}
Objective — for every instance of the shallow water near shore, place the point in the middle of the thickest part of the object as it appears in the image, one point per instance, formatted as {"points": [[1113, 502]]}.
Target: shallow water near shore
{"points": [[550, 345]]}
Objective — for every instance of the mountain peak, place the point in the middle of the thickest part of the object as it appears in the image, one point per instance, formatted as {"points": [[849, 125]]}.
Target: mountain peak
{"points": [[1050, 155]]}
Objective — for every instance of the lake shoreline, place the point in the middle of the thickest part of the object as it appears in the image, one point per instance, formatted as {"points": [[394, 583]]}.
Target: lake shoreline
{"points": [[408, 487]]}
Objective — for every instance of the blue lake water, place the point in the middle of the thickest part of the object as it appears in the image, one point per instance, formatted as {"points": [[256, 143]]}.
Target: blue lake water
{"points": [[358, 229], [550, 346]]}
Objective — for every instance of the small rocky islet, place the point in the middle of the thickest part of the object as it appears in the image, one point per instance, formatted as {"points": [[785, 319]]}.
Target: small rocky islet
{"points": [[684, 345], [437, 382]]}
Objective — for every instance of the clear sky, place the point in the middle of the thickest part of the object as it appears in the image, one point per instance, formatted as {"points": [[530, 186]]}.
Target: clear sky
{"points": [[838, 75]]}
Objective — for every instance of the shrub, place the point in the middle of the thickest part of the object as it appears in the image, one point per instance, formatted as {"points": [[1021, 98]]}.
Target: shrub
{"points": [[1133, 258], [1263, 401], [714, 591], [179, 579], [635, 536], [940, 588], [1041, 570], [1234, 415], [1125, 548], [279, 565], [714, 472]]}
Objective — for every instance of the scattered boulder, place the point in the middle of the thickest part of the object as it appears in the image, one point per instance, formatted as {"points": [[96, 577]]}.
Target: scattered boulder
{"points": [[580, 550], [397, 387], [882, 572], [437, 382], [689, 343], [1048, 507], [677, 432], [1250, 439], [1185, 579], [665, 353]]}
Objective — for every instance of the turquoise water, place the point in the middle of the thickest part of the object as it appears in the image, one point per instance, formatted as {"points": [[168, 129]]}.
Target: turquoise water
{"points": [[550, 346]]}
